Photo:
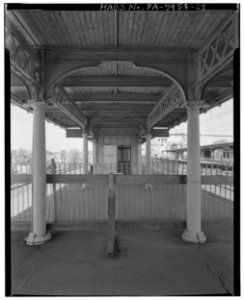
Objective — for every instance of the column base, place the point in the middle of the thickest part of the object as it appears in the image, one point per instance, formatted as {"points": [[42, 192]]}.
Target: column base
{"points": [[194, 237], [34, 240]]}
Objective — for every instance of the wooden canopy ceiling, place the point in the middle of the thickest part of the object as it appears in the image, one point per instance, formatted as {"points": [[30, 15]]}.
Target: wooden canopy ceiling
{"points": [[117, 65]]}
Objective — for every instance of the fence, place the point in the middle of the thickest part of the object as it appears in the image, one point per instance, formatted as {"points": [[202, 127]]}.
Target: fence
{"points": [[72, 196], [179, 167]]}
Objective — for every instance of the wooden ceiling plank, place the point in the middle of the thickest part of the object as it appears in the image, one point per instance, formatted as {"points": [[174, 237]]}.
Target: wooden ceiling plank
{"points": [[123, 19], [187, 25], [78, 21], [87, 28], [43, 25], [105, 28], [96, 33], [68, 25], [163, 39], [100, 28], [174, 34], [144, 33], [201, 34], [84, 30], [57, 27], [163, 30], [111, 27], [32, 24], [65, 29], [205, 17], [28, 29], [76, 28], [141, 27], [206, 30], [129, 29], [155, 22], [136, 25]]}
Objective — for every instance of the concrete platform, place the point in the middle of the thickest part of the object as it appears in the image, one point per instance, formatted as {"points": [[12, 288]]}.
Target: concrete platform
{"points": [[152, 261]]}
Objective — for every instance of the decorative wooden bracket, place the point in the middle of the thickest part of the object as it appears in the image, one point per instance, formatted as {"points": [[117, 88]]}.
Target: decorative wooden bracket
{"points": [[23, 59], [25, 63], [171, 99], [218, 52], [58, 96]]}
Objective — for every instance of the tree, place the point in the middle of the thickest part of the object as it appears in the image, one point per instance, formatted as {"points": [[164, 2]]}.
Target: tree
{"points": [[21, 156], [74, 156]]}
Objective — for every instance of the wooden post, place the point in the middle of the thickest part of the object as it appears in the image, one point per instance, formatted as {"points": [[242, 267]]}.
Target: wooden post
{"points": [[55, 217], [111, 239]]}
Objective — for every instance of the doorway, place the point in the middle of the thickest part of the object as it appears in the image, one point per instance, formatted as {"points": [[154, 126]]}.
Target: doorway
{"points": [[124, 159]]}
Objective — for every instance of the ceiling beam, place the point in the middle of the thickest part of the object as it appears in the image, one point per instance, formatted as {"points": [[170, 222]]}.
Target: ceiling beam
{"points": [[221, 82], [116, 107], [115, 81], [119, 97], [111, 102], [68, 54]]}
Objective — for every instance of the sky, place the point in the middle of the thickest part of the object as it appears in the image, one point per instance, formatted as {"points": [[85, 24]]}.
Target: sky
{"points": [[217, 121], [21, 121]]}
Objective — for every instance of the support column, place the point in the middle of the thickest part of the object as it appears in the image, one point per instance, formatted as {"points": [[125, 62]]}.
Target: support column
{"points": [[94, 153], [193, 232], [38, 235], [148, 153], [139, 160], [85, 152]]}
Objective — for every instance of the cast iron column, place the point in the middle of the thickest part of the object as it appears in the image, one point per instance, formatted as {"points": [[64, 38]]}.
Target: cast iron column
{"points": [[193, 232], [85, 152], [148, 153], [38, 235]]}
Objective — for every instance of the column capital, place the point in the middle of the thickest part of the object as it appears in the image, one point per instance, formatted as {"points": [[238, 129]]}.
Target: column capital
{"points": [[37, 105], [194, 105], [85, 130]]}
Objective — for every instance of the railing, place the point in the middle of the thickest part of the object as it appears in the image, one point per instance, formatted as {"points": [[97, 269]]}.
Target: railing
{"points": [[214, 168], [69, 197], [74, 197]]}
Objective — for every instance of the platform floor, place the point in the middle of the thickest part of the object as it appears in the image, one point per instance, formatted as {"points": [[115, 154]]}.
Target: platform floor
{"points": [[152, 260]]}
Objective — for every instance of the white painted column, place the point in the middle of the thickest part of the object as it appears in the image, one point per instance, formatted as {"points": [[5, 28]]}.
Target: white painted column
{"points": [[193, 232], [38, 235], [94, 153], [139, 160], [148, 153], [85, 152]]}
